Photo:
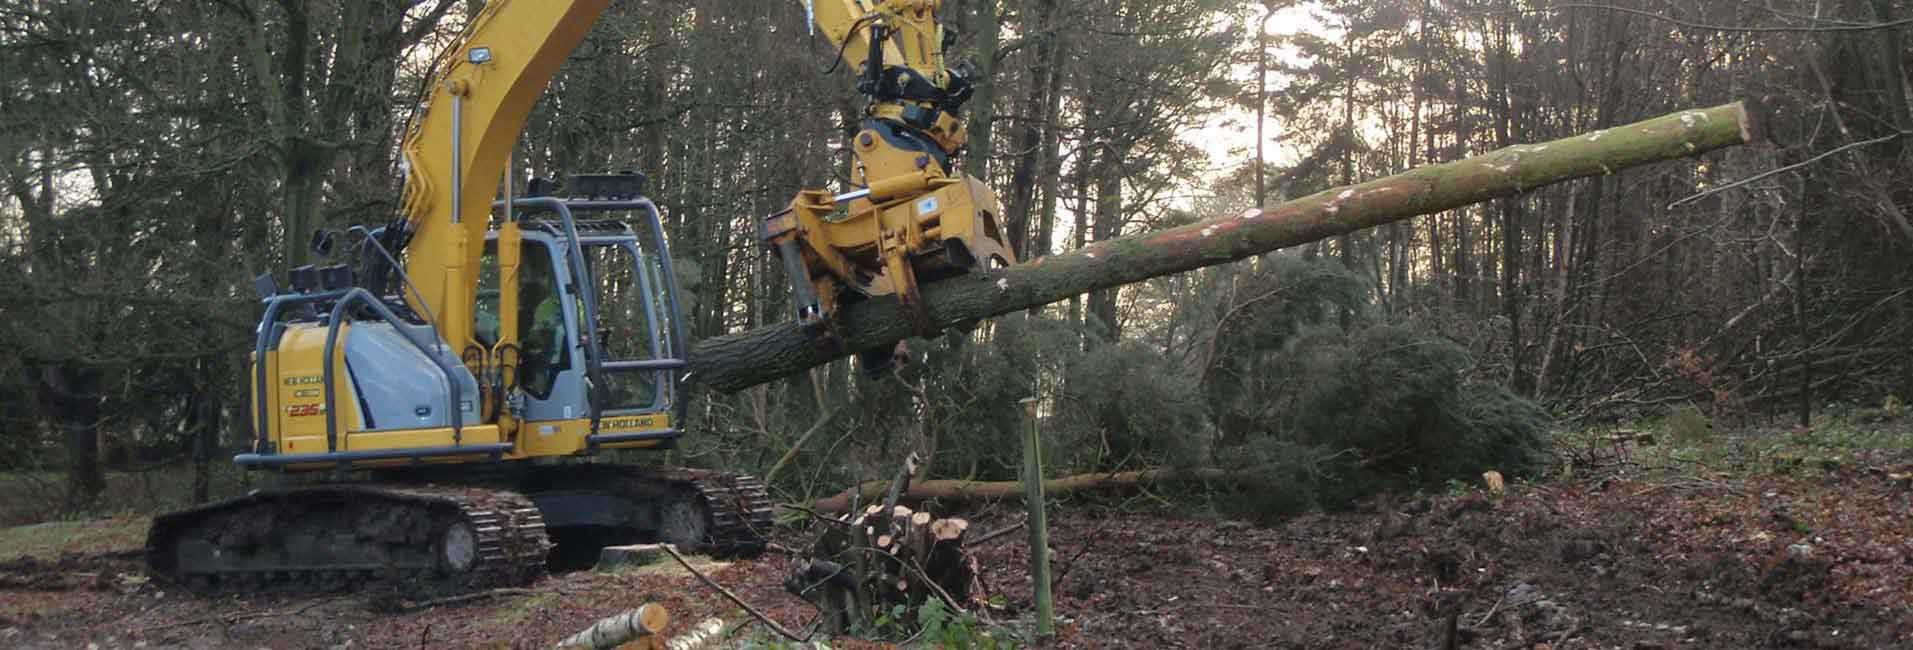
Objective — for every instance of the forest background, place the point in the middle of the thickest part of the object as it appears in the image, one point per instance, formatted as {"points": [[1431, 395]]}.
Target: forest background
{"points": [[155, 156]]}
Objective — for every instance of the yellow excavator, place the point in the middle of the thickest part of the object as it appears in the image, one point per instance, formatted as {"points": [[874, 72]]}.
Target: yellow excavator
{"points": [[433, 407]]}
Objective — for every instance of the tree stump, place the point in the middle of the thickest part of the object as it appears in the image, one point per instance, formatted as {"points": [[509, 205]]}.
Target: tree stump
{"points": [[861, 567]]}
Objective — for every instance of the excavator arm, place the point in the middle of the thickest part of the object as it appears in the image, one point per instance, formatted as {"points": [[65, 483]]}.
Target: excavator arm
{"points": [[910, 63], [456, 152], [909, 214]]}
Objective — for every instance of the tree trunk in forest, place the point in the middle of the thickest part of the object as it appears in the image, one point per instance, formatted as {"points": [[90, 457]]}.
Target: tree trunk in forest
{"points": [[67, 391], [736, 361], [1079, 222], [71, 398], [960, 490], [1463, 267], [1812, 194], [1582, 205], [1031, 137], [1893, 79], [1052, 167], [1107, 225], [985, 23], [1509, 211], [306, 133], [1437, 270], [205, 412], [1346, 243], [1403, 233]]}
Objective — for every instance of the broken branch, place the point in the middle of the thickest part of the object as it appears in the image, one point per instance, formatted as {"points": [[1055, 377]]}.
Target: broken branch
{"points": [[708, 582]]}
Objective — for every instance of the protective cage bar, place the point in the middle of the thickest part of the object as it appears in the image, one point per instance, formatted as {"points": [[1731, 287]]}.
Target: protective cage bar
{"points": [[595, 363]]}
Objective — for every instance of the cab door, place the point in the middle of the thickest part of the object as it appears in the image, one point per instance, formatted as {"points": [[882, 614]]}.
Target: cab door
{"points": [[637, 332]]}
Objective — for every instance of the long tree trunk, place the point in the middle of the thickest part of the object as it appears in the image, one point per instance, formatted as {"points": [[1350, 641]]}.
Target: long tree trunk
{"points": [[983, 102], [70, 396], [1030, 138], [1107, 225], [1463, 268], [1052, 167], [745, 359], [1079, 221], [1509, 211]]}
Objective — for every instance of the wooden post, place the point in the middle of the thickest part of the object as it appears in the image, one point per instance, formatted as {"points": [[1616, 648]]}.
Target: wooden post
{"points": [[1039, 525]]}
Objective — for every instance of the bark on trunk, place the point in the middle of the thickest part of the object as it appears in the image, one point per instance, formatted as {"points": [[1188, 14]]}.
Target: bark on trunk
{"points": [[960, 490], [741, 360], [205, 425], [983, 102], [71, 398], [1107, 225], [646, 622], [1030, 137], [1052, 167]]}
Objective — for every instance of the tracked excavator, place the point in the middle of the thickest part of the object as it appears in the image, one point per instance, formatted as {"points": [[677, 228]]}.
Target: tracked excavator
{"points": [[433, 407]]}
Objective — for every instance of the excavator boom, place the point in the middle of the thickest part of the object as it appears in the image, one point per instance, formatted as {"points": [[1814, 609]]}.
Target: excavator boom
{"points": [[481, 92]]}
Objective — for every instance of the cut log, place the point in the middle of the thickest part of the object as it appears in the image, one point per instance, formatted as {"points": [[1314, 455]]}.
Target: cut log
{"points": [[643, 623], [737, 361], [948, 529], [702, 636], [955, 490]]}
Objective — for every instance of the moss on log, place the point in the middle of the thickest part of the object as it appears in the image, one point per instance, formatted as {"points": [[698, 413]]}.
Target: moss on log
{"points": [[737, 361]]}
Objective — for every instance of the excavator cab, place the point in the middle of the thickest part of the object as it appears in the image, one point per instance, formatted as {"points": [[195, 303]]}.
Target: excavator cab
{"points": [[596, 316], [577, 347]]}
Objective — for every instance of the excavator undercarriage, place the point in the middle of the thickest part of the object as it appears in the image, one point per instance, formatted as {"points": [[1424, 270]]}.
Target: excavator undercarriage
{"points": [[504, 527], [337, 537]]}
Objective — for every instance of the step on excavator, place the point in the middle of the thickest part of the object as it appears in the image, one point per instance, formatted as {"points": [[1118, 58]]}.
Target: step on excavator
{"points": [[433, 405]]}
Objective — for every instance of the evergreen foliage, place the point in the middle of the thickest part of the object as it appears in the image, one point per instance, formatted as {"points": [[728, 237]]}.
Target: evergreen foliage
{"points": [[1132, 405], [1347, 409]]}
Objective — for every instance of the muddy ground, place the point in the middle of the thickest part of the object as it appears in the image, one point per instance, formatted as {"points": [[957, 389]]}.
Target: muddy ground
{"points": [[1803, 557]]}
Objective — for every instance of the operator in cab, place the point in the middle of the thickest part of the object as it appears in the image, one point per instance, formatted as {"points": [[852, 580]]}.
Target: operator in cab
{"points": [[542, 325]]}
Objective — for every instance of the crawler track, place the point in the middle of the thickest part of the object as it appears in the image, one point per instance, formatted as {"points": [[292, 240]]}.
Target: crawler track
{"points": [[488, 532], [739, 506], [326, 537]]}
